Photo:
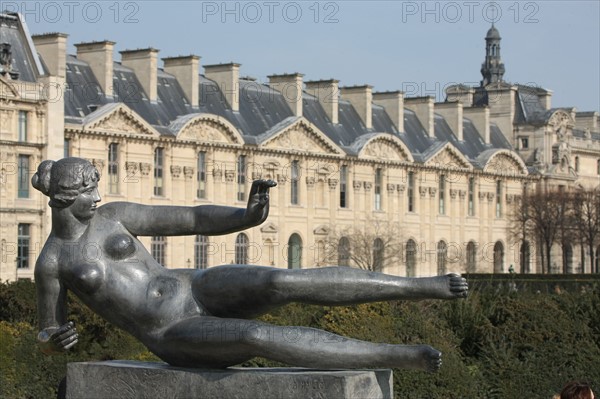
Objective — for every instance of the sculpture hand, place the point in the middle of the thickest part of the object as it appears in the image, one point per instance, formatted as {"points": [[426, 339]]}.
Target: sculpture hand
{"points": [[54, 340], [258, 202]]}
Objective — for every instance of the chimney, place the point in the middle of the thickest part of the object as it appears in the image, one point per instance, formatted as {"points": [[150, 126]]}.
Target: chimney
{"points": [[186, 71], [452, 112], [480, 117], [461, 93], [361, 98], [393, 103], [587, 120], [327, 92], [545, 98], [99, 56], [144, 63], [290, 87], [423, 109], [53, 49], [227, 77]]}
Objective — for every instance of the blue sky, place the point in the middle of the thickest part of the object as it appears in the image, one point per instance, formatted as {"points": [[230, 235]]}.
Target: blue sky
{"points": [[415, 46]]}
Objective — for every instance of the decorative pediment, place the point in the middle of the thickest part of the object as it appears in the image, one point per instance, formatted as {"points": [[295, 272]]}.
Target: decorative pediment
{"points": [[268, 228], [321, 230], [117, 118], [8, 90], [302, 136], [386, 147], [506, 163], [206, 128], [448, 157]]}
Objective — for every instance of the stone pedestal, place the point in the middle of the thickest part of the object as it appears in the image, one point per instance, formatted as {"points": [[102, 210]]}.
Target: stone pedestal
{"points": [[129, 379]]}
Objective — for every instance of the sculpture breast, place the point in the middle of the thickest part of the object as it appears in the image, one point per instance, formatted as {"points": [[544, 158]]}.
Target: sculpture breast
{"points": [[119, 246]]}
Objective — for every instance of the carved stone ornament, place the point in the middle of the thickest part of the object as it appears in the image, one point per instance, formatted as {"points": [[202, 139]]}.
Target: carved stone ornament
{"points": [[509, 198], [491, 196], [391, 187], [175, 171], [368, 185], [145, 168], [332, 183], [281, 179], [400, 188], [229, 176], [299, 139], [120, 122], [217, 174], [382, 149], [423, 191], [453, 193], [432, 191], [310, 181], [462, 194], [357, 184], [188, 172], [131, 168], [482, 195]]}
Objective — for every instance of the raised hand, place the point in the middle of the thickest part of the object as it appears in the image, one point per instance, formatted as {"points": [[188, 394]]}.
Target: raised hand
{"points": [[258, 202], [56, 340]]}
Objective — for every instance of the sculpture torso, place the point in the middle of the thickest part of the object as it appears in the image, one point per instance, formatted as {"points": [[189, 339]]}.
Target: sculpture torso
{"points": [[113, 274]]}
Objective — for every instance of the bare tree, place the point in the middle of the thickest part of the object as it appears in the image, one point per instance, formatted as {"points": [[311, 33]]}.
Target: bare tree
{"points": [[585, 206], [541, 214], [372, 245]]}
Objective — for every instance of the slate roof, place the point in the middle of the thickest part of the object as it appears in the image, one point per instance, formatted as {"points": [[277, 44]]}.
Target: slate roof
{"points": [[262, 113], [24, 62]]}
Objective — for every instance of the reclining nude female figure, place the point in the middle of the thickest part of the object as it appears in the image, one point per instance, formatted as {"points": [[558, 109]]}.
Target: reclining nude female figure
{"points": [[201, 318]]}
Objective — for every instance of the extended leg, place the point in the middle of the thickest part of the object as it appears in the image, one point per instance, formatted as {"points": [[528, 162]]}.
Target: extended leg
{"points": [[216, 342], [246, 291]]}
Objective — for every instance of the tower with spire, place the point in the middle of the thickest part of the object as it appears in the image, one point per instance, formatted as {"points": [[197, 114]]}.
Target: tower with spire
{"points": [[492, 68]]}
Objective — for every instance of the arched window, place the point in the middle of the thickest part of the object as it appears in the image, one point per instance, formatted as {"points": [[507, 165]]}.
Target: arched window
{"points": [[576, 164], [294, 252], [158, 246], [201, 252], [567, 250], [498, 257], [378, 254], [344, 252], [471, 257], [525, 255], [442, 255], [241, 178], [241, 249], [411, 258]]}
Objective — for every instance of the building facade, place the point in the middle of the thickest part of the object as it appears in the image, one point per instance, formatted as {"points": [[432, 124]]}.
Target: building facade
{"points": [[445, 174]]}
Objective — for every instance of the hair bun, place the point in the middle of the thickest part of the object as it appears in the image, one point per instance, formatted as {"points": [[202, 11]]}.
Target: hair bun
{"points": [[41, 179]]}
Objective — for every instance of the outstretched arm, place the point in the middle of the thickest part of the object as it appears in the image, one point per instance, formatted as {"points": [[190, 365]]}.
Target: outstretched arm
{"points": [[146, 220], [56, 335]]}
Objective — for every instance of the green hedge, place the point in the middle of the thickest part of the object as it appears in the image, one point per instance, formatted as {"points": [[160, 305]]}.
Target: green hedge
{"points": [[495, 344]]}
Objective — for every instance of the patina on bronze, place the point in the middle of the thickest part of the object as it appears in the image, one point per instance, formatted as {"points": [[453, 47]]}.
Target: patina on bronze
{"points": [[201, 318]]}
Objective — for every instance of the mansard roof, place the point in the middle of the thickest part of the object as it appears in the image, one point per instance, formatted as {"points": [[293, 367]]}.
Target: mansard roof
{"points": [[263, 112], [24, 61]]}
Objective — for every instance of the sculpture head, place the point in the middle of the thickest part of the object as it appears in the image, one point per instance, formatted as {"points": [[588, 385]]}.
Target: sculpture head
{"points": [[64, 181]]}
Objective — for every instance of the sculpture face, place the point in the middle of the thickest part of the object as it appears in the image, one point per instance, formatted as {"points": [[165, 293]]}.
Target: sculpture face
{"points": [[84, 206]]}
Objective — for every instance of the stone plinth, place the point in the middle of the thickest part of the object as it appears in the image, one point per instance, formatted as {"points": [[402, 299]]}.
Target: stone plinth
{"points": [[128, 379]]}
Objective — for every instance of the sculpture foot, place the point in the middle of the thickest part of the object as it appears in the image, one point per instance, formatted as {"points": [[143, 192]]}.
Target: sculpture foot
{"points": [[450, 286], [423, 357]]}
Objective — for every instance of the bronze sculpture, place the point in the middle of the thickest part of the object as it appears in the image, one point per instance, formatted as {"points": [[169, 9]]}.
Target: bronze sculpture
{"points": [[200, 318]]}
